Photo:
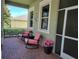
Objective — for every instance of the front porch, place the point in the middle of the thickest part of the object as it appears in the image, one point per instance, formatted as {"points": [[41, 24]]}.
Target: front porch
{"points": [[54, 19], [14, 48]]}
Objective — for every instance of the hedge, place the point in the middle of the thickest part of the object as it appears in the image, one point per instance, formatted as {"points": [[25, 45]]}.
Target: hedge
{"points": [[13, 31]]}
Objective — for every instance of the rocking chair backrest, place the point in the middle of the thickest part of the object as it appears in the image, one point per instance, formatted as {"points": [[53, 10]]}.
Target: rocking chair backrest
{"points": [[37, 36], [25, 33]]}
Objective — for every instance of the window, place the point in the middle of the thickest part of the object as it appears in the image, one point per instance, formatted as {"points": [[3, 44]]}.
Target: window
{"points": [[44, 16], [60, 22], [72, 19], [71, 47], [31, 19], [44, 23], [58, 44], [45, 13]]}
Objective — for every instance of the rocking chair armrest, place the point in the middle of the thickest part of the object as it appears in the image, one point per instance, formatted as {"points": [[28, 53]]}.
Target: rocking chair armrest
{"points": [[32, 42], [26, 40]]}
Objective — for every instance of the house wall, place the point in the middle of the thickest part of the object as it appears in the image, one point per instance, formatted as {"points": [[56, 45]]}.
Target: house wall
{"points": [[18, 24], [53, 19]]}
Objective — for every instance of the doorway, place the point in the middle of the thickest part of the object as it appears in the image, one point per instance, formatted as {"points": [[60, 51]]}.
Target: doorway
{"points": [[67, 33]]}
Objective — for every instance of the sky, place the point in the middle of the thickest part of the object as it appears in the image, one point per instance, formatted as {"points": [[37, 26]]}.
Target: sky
{"points": [[17, 11]]}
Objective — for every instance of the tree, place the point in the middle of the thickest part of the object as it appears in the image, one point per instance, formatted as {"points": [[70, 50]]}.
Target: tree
{"points": [[6, 18]]}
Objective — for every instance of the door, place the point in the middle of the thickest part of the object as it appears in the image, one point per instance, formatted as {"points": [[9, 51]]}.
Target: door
{"points": [[67, 30], [69, 46], [67, 33]]}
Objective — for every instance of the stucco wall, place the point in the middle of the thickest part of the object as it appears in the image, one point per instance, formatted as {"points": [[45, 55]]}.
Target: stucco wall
{"points": [[53, 18]]}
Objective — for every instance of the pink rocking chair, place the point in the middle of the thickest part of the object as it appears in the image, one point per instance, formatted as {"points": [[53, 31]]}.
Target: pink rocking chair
{"points": [[33, 42]]}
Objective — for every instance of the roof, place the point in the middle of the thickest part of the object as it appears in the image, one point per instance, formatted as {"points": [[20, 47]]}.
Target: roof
{"points": [[23, 17]]}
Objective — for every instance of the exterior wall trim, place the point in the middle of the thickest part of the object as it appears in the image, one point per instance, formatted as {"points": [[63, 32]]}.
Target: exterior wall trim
{"points": [[69, 8]]}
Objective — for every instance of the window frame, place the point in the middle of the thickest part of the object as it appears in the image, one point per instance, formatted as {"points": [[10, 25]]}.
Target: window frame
{"points": [[41, 5]]}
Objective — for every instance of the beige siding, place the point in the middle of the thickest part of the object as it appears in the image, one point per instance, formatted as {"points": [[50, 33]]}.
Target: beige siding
{"points": [[18, 24]]}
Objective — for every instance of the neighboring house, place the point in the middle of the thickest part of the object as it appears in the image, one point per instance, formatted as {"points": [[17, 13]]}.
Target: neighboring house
{"points": [[19, 22]]}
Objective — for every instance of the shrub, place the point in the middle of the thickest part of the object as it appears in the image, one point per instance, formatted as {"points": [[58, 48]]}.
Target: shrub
{"points": [[13, 31]]}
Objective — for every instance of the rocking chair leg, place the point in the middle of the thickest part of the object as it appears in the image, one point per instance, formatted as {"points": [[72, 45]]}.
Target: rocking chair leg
{"points": [[31, 46]]}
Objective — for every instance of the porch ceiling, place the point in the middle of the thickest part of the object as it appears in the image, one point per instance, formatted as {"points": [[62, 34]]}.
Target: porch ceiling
{"points": [[20, 3]]}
